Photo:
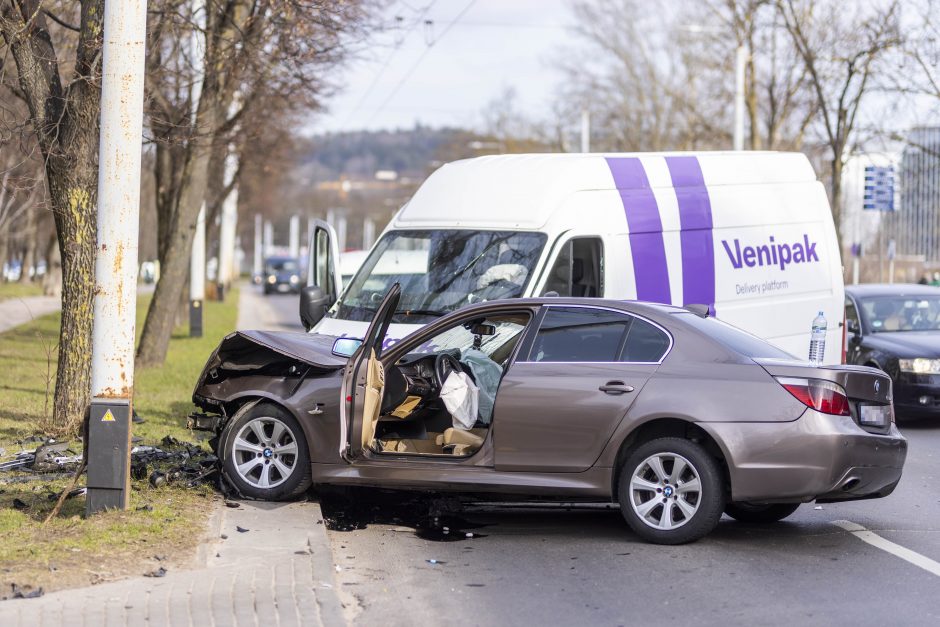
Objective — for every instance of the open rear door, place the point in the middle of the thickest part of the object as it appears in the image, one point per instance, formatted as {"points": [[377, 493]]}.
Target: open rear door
{"points": [[364, 382], [323, 260]]}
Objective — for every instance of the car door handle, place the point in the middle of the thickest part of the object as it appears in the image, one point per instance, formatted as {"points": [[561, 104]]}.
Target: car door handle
{"points": [[615, 387]]}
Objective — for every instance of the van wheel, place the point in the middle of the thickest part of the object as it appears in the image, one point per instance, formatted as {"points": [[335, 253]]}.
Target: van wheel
{"points": [[264, 454], [758, 513], [670, 491]]}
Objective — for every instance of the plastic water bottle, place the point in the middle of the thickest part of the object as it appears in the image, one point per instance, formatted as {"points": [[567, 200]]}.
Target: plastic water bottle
{"points": [[817, 339]]}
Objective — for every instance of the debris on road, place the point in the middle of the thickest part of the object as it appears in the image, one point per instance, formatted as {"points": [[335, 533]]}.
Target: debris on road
{"points": [[241, 529], [24, 592], [160, 572]]}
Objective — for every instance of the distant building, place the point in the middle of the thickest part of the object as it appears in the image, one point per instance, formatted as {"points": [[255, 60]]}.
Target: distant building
{"points": [[916, 227], [860, 227]]}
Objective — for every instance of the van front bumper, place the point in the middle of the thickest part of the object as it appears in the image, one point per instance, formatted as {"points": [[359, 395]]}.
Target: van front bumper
{"points": [[816, 457]]}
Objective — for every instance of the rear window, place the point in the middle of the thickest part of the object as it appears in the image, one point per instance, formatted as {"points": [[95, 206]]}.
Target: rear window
{"points": [[734, 338]]}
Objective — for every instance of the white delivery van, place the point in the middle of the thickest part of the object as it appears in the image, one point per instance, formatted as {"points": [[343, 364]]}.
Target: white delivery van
{"points": [[748, 234]]}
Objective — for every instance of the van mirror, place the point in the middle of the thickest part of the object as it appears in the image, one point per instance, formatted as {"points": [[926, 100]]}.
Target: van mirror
{"points": [[346, 346], [313, 305]]}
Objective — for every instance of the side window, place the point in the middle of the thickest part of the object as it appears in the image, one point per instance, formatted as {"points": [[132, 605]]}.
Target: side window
{"points": [[578, 269], [645, 343]]}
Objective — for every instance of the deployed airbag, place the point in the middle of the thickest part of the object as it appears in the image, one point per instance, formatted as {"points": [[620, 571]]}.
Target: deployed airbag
{"points": [[461, 398], [487, 374]]}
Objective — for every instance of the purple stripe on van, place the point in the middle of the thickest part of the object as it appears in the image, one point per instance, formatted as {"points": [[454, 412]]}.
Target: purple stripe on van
{"points": [[646, 229], [695, 221]]}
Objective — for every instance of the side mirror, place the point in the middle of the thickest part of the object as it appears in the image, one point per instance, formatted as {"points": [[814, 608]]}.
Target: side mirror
{"points": [[852, 327], [313, 305], [346, 346]]}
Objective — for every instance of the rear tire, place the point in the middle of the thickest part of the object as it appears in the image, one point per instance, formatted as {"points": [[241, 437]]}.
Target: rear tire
{"points": [[264, 454], [758, 513], [670, 491]]}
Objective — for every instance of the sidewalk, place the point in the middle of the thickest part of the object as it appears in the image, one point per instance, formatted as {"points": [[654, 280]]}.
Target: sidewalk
{"points": [[17, 311], [278, 572]]}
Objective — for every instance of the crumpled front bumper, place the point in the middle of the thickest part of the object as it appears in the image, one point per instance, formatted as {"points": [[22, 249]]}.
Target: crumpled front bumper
{"points": [[817, 457]]}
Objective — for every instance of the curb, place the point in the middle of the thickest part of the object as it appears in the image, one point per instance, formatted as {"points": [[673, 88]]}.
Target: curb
{"points": [[211, 538], [331, 608]]}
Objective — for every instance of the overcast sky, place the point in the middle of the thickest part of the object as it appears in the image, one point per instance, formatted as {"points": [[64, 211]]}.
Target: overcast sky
{"points": [[495, 44]]}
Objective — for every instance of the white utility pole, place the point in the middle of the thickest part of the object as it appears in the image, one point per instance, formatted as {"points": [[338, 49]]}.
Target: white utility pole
{"points": [[268, 239], [740, 64], [585, 130], [294, 241], [197, 256], [259, 244], [115, 306], [341, 232], [368, 233], [229, 220], [197, 275]]}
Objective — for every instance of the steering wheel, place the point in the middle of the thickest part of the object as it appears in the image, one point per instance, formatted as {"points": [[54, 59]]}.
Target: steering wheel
{"points": [[444, 364]]}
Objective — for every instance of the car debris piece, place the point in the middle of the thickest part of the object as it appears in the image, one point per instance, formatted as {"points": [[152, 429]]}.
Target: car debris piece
{"points": [[160, 572], [241, 529], [18, 504], [25, 592]]}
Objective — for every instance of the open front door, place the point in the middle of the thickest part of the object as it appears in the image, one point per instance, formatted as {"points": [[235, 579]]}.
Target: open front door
{"points": [[364, 382], [322, 273]]}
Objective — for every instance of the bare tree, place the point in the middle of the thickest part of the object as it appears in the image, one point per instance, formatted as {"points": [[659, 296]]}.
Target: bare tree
{"points": [[255, 53], [842, 46], [63, 115]]}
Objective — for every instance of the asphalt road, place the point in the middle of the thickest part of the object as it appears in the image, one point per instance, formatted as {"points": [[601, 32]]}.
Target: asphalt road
{"points": [[274, 312], [585, 566]]}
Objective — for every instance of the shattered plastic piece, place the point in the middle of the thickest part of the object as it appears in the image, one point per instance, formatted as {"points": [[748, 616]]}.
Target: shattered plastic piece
{"points": [[145, 508], [469, 535], [240, 529], [232, 504], [18, 504], [26, 592], [339, 568], [137, 419], [224, 537], [432, 561], [160, 572], [818, 507]]}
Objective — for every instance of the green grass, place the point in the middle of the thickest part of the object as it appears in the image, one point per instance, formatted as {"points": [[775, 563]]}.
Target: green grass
{"points": [[19, 290], [112, 544]]}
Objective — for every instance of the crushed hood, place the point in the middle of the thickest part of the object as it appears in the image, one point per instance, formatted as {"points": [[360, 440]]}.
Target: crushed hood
{"points": [[250, 350]]}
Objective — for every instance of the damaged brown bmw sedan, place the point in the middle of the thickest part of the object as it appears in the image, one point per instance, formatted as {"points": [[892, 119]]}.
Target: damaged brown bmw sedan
{"points": [[675, 416]]}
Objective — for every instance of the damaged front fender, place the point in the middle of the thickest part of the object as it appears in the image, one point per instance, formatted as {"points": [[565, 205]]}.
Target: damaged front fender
{"points": [[262, 364]]}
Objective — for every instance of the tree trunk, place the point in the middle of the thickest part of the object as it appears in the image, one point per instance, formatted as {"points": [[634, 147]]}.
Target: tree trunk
{"points": [[72, 194], [52, 280], [836, 200], [174, 262]]}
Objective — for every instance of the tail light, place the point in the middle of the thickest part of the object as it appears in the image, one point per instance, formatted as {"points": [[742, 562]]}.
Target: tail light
{"points": [[823, 396]]}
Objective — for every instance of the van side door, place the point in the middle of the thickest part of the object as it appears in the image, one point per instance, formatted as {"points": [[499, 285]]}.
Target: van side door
{"points": [[569, 389]]}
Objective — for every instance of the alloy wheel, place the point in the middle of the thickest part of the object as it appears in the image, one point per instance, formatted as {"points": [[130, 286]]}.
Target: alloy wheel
{"points": [[264, 452], [665, 491]]}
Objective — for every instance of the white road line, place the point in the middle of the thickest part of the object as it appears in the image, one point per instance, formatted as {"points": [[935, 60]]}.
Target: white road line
{"points": [[897, 550]]}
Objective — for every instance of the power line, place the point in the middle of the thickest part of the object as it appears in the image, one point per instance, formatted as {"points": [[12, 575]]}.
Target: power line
{"points": [[388, 59], [411, 70]]}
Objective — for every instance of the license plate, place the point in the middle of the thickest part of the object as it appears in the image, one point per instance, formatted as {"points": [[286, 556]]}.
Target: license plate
{"points": [[876, 415]]}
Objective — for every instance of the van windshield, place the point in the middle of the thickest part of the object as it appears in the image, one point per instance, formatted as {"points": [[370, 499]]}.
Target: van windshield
{"points": [[440, 271]]}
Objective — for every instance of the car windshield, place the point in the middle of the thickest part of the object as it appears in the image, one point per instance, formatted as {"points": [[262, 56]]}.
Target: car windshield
{"points": [[901, 313], [440, 271], [281, 265]]}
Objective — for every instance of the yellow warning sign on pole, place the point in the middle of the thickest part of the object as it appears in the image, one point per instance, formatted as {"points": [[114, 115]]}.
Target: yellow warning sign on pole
{"points": [[108, 417]]}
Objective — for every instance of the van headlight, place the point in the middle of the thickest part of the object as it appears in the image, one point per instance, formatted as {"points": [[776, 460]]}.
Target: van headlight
{"points": [[920, 365]]}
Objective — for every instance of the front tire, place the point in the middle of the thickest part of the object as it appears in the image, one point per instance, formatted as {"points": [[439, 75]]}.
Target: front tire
{"points": [[760, 514], [670, 491], [264, 454]]}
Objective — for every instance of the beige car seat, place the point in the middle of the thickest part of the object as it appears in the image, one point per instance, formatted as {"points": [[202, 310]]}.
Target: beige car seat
{"points": [[464, 442], [375, 386]]}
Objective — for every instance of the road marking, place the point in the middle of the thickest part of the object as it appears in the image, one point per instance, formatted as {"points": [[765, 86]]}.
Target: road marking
{"points": [[897, 550]]}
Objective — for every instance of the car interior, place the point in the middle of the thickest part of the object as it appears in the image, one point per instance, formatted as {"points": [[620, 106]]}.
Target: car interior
{"points": [[406, 407]]}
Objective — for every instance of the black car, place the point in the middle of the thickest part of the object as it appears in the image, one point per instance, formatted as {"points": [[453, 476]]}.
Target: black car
{"points": [[281, 274], [897, 328]]}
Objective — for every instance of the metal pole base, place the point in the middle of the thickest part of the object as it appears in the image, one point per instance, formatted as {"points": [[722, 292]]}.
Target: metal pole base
{"points": [[109, 454], [195, 318]]}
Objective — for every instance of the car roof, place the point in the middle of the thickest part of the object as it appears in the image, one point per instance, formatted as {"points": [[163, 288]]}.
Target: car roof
{"points": [[891, 289]]}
